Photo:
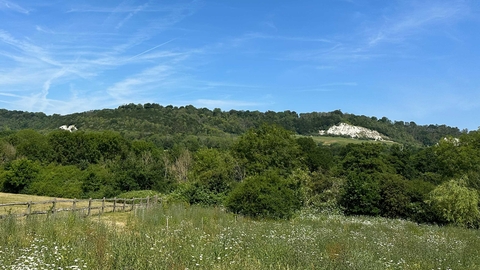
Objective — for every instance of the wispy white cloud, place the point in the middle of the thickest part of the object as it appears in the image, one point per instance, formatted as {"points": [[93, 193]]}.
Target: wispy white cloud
{"points": [[151, 49], [286, 38], [130, 15], [326, 87], [132, 87], [12, 6], [224, 103], [417, 18]]}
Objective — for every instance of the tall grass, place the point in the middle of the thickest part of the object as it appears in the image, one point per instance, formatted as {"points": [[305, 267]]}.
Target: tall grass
{"points": [[189, 237]]}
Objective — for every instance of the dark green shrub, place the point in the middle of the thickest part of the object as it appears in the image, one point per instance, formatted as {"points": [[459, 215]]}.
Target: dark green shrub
{"points": [[58, 181], [419, 210], [267, 147], [19, 174], [267, 195], [362, 195], [395, 200], [197, 193]]}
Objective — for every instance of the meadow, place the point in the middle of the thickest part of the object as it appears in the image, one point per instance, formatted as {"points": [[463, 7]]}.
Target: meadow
{"points": [[329, 140], [180, 236]]}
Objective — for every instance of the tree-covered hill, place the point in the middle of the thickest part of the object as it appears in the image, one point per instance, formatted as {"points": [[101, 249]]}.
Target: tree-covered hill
{"points": [[150, 121]]}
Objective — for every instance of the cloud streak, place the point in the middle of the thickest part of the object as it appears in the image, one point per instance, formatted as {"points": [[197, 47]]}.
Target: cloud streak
{"points": [[7, 5], [418, 18]]}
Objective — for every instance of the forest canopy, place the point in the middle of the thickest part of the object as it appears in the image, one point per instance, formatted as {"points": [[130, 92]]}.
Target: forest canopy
{"points": [[264, 165]]}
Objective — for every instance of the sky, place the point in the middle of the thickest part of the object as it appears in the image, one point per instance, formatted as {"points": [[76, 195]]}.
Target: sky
{"points": [[407, 60]]}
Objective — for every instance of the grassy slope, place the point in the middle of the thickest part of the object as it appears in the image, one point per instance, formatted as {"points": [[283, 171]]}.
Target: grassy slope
{"points": [[11, 198], [22, 198], [197, 238], [328, 140], [181, 236]]}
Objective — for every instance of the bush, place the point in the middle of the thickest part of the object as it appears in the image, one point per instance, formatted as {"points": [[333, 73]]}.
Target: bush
{"points": [[267, 195], [58, 181], [321, 192], [19, 175], [418, 192], [456, 203], [361, 195], [395, 200], [197, 193]]}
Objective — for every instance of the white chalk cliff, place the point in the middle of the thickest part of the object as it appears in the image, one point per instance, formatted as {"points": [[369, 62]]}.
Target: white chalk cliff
{"points": [[344, 129]]}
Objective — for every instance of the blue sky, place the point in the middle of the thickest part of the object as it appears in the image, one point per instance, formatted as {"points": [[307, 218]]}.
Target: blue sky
{"points": [[406, 60]]}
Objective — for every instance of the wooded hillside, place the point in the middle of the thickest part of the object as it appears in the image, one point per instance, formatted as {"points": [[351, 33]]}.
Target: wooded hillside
{"points": [[252, 163], [153, 121]]}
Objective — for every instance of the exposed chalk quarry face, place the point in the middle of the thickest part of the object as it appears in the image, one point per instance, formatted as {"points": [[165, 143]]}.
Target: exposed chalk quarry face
{"points": [[344, 129]]}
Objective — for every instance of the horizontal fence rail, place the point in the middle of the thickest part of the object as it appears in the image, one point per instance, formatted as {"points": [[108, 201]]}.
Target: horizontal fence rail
{"points": [[86, 206]]}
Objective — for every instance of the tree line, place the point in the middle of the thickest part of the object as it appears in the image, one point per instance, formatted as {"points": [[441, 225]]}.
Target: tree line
{"points": [[265, 172], [156, 123]]}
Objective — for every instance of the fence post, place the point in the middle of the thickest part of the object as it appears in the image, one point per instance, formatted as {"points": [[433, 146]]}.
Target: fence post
{"points": [[103, 205], [133, 204], [155, 201], [54, 205], [74, 206], [124, 201], [114, 203], [148, 202], [89, 206], [29, 208]]}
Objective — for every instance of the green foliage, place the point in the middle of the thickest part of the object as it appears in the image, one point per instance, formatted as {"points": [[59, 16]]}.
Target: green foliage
{"points": [[418, 191], [31, 144], [19, 174], [266, 147], [137, 121], [197, 155], [321, 191], [215, 170], [196, 193], [457, 157], [395, 201], [58, 181], [366, 158], [98, 182], [8, 152], [361, 194], [456, 203], [400, 158], [265, 195], [315, 157]]}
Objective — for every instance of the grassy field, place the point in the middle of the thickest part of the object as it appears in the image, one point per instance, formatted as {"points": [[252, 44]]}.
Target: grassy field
{"points": [[327, 140], [11, 198], [6, 198], [180, 236]]}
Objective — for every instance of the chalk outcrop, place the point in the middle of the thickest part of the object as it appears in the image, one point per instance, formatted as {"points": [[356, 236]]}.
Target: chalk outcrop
{"points": [[344, 129]]}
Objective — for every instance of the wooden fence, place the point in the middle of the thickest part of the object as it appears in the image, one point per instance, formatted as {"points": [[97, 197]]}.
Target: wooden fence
{"points": [[87, 207]]}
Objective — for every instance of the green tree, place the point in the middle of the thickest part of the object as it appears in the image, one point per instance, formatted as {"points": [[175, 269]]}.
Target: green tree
{"points": [[58, 181], [31, 144], [266, 147], [456, 203], [315, 157], [367, 157], [361, 194], [214, 169], [265, 195], [19, 174], [8, 152], [395, 200]]}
